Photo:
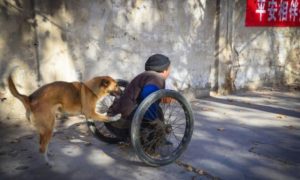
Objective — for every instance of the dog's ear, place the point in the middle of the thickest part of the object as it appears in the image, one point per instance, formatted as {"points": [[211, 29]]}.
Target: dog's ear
{"points": [[104, 83], [92, 85], [97, 83]]}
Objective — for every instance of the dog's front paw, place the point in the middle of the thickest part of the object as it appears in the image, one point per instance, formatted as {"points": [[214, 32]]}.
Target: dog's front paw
{"points": [[115, 118], [50, 163]]}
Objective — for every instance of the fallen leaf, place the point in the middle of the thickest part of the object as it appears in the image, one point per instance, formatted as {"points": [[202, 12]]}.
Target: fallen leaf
{"points": [[123, 145], [279, 116], [200, 171], [189, 168], [15, 141], [290, 127], [246, 102]]}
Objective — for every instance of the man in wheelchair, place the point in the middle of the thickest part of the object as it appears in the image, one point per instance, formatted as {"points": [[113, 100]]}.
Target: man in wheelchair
{"points": [[157, 70]]}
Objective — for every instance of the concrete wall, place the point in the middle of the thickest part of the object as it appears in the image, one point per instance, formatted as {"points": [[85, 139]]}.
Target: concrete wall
{"points": [[207, 42], [252, 57]]}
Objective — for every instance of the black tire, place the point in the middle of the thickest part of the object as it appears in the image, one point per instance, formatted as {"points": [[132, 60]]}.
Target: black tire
{"points": [[100, 129], [141, 138]]}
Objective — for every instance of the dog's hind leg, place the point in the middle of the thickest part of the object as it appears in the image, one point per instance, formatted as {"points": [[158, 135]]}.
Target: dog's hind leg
{"points": [[45, 127], [45, 137], [44, 143]]}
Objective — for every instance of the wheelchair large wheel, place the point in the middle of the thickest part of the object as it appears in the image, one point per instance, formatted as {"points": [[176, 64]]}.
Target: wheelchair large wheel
{"points": [[162, 141], [103, 131]]}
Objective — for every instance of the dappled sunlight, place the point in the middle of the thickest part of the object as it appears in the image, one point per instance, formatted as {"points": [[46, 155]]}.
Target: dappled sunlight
{"points": [[142, 17], [94, 68], [23, 75], [56, 63], [202, 136], [99, 158], [197, 11], [238, 133], [292, 71], [225, 154], [24, 79], [264, 58], [177, 81], [11, 164], [240, 156], [92, 50], [72, 150], [220, 109], [216, 164], [227, 142], [13, 10], [269, 173], [180, 46]]}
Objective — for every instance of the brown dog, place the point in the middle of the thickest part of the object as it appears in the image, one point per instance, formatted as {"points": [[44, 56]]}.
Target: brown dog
{"points": [[72, 98]]}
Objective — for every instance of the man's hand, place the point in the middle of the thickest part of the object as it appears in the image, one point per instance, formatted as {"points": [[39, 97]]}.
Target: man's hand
{"points": [[114, 118], [167, 100]]}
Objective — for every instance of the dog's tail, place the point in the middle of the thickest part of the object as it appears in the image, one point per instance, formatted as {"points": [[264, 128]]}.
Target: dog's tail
{"points": [[24, 99]]}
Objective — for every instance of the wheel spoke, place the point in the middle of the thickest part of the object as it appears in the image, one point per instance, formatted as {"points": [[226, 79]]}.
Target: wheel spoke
{"points": [[163, 141]]}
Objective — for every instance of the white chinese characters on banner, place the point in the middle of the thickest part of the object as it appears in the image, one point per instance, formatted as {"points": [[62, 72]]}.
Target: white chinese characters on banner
{"points": [[294, 10], [272, 9], [282, 10], [261, 8]]}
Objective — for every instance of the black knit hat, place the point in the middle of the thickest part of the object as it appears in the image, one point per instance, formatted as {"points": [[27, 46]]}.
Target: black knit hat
{"points": [[157, 62]]}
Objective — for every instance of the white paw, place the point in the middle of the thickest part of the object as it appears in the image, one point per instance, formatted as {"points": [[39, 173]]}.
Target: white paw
{"points": [[48, 162], [50, 154], [115, 118]]}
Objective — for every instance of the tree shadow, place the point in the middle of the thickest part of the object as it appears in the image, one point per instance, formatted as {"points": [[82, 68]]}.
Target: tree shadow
{"points": [[265, 108], [229, 148], [76, 155]]}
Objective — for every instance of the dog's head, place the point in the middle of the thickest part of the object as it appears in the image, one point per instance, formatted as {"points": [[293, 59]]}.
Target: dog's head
{"points": [[103, 86]]}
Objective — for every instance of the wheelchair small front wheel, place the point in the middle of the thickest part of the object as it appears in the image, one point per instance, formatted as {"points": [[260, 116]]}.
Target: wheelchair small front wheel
{"points": [[163, 140]]}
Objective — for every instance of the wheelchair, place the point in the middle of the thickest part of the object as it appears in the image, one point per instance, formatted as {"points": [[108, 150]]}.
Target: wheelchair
{"points": [[156, 143]]}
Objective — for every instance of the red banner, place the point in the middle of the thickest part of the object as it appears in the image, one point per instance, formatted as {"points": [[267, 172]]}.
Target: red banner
{"points": [[284, 13]]}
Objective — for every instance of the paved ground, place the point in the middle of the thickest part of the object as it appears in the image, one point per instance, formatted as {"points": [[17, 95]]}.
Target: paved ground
{"points": [[252, 135]]}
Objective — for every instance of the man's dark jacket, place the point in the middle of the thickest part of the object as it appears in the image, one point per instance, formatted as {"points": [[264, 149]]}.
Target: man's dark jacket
{"points": [[130, 99]]}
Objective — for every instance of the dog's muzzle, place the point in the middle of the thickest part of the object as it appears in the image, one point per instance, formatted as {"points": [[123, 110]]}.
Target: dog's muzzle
{"points": [[116, 92]]}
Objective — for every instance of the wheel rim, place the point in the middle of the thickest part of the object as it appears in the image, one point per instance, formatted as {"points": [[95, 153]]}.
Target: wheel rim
{"points": [[99, 129], [163, 142]]}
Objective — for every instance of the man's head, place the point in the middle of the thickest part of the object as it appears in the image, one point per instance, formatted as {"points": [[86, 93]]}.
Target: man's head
{"points": [[158, 63]]}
